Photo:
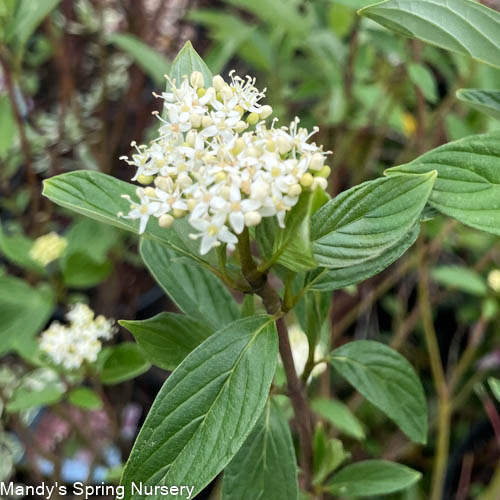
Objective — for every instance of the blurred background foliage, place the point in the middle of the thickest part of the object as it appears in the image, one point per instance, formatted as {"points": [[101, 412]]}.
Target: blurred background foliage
{"points": [[76, 83]]}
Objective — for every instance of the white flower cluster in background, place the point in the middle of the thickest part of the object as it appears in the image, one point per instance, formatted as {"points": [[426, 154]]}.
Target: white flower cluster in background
{"points": [[217, 163], [80, 340], [48, 248]]}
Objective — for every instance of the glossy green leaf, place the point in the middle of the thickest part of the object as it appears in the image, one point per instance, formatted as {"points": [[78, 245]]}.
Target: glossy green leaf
{"points": [[168, 338], [187, 61], [196, 291], [372, 477], [461, 278], [340, 416], [388, 381], [126, 361], [265, 467], [98, 196], [81, 271], [85, 398], [424, 80], [367, 220], [24, 310], [27, 17], [325, 279], [468, 183], [152, 62], [487, 101], [206, 408], [462, 26]]}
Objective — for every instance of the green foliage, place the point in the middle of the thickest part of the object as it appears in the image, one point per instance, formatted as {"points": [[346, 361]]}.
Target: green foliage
{"points": [[388, 381], [152, 62], [196, 291], [186, 62], [340, 416], [366, 220], [487, 101], [265, 466], [168, 338], [494, 384], [463, 26], [222, 387], [372, 477], [423, 79], [124, 362], [468, 183], [85, 398], [461, 278]]}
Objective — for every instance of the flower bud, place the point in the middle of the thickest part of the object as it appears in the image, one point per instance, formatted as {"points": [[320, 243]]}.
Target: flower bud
{"points": [[220, 177], [145, 179], [166, 220], [218, 82], [239, 146], [226, 91], [265, 111], [494, 280], [253, 119], [317, 161], [270, 146], [240, 127], [239, 109], [306, 180], [178, 213], [195, 120], [196, 79], [294, 190], [320, 182], [284, 145], [252, 218], [150, 191], [201, 92], [324, 172], [206, 121], [225, 192], [191, 137], [191, 204]]}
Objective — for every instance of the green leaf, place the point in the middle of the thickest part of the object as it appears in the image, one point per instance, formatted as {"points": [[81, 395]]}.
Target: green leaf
{"points": [[7, 125], [196, 291], [372, 477], [486, 101], [16, 247], [206, 408], [152, 62], [265, 467], [85, 398], [461, 26], [81, 271], [461, 278], [329, 454], [291, 246], [126, 361], [24, 399], [388, 381], [334, 279], [424, 80], [168, 338], [340, 416], [24, 312], [187, 61], [367, 220], [468, 183], [494, 384], [98, 196], [27, 18]]}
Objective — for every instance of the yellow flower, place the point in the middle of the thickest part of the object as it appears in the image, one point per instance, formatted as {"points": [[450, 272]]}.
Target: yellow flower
{"points": [[409, 124], [48, 248]]}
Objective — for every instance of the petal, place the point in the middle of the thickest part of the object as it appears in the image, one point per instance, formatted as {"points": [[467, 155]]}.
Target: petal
{"points": [[237, 221]]}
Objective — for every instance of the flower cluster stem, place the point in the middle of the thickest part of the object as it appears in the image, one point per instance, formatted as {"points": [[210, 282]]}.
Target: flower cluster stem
{"points": [[272, 302]]}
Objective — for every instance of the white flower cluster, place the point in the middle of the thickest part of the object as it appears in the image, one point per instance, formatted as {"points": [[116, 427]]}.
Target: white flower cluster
{"points": [[217, 163], [80, 340]]}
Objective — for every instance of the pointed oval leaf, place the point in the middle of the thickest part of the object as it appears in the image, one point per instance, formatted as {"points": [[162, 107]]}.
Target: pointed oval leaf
{"points": [[98, 196], [196, 291], [206, 408], [340, 416], [388, 381], [487, 101], [265, 467], [168, 338], [126, 361], [362, 222], [461, 278], [461, 26], [468, 183], [372, 477], [187, 61], [334, 279]]}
